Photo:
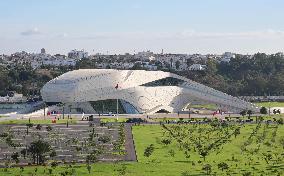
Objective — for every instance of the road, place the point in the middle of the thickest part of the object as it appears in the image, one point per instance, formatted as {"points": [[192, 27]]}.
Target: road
{"points": [[145, 116]]}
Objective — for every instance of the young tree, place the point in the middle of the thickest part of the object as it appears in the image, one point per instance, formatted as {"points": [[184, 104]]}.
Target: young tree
{"points": [[186, 173], [267, 157], [171, 153], [22, 169], [204, 153], [149, 150], [237, 132], [122, 170], [207, 168], [187, 154], [89, 168], [243, 113], [48, 128], [24, 153], [54, 164], [223, 166], [38, 127], [282, 141], [93, 156], [260, 119], [104, 139], [50, 171], [249, 112], [280, 121], [246, 174], [166, 141], [53, 154], [15, 157]]}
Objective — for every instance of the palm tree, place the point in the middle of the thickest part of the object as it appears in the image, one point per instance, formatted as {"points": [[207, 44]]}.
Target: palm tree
{"points": [[237, 132], [29, 125], [63, 106], [15, 157], [37, 149]]}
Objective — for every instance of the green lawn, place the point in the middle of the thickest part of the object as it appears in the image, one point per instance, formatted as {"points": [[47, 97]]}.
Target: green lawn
{"points": [[175, 165], [271, 104], [160, 163], [47, 121], [205, 106], [111, 119]]}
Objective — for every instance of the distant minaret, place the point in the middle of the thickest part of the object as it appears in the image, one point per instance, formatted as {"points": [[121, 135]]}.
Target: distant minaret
{"points": [[162, 51]]}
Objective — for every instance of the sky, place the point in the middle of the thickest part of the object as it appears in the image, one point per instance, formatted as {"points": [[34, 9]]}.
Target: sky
{"points": [[120, 26]]}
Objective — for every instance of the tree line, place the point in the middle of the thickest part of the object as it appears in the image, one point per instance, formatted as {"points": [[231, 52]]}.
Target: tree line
{"points": [[257, 75]]}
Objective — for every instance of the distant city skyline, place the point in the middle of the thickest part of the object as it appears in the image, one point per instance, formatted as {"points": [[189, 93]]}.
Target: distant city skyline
{"points": [[117, 27]]}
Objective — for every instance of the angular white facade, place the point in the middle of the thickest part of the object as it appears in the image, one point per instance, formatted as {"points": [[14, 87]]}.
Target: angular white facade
{"points": [[147, 91]]}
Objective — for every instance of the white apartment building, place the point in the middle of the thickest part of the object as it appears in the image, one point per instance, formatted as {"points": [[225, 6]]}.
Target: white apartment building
{"points": [[227, 56], [197, 67], [77, 54]]}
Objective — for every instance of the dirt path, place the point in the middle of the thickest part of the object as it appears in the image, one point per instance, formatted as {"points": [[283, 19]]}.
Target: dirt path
{"points": [[129, 144]]}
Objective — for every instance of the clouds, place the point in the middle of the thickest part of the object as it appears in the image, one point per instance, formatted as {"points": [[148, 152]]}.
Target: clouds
{"points": [[35, 33], [182, 35], [183, 41], [30, 32], [269, 33], [187, 34]]}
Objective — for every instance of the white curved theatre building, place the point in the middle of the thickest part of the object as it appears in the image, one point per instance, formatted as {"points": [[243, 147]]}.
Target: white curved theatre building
{"points": [[138, 91]]}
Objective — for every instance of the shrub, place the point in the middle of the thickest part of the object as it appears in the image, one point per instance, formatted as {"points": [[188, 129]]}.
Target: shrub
{"points": [[263, 110], [166, 141], [280, 121], [149, 150], [48, 128], [54, 164], [104, 139]]}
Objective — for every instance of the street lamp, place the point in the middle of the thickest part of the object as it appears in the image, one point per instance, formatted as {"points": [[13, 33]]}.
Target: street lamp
{"points": [[117, 109], [269, 108], [63, 111], [44, 110], [62, 105], [116, 87], [68, 116]]}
